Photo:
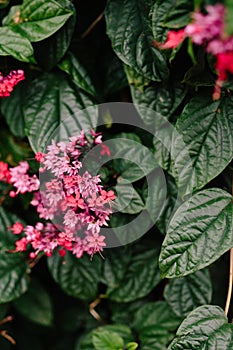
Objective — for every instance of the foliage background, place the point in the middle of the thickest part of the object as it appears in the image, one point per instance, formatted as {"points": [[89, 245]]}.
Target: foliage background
{"points": [[67, 69]]}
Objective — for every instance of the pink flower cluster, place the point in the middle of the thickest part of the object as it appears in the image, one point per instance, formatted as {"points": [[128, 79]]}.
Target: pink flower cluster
{"points": [[208, 30], [72, 204], [8, 82]]}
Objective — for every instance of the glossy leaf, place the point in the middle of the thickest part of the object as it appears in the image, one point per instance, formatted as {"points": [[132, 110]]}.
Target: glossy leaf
{"points": [[77, 72], [155, 324], [179, 14], [36, 305], [198, 234], [107, 340], [37, 19], [15, 44], [50, 51], [77, 277], [140, 276], [12, 110], [13, 276], [186, 293], [204, 140], [204, 328], [122, 332], [55, 108], [128, 200], [129, 30]]}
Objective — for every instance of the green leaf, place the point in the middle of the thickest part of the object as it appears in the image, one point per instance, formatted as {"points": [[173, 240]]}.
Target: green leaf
{"points": [[198, 234], [14, 44], [185, 294], [159, 11], [7, 238], [203, 140], [77, 277], [36, 304], [13, 267], [204, 328], [122, 331], [38, 19], [107, 340], [135, 79], [229, 15], [158, 102], [140, 276], [131, 346], [179, 14], [11, 108], [128, 200], [50, 51], [77, 72], [13, 276], [55, 108], [172, 202], [136, 162], [129, 30], [155, 324]]}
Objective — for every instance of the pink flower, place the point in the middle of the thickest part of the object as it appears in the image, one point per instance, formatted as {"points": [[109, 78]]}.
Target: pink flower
{"points": [[21, 245], [105, 150], [8, 82], [17, 228], [76, 201], [174, 39], [206, 27], [4, 172]]}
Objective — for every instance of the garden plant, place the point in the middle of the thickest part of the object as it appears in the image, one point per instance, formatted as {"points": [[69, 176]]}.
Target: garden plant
{"points": [[116, 174]]}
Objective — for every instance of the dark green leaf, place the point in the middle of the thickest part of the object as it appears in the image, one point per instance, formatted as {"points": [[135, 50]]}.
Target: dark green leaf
{"points": [[140, 276], [229, 15], [38, 19], [55, 108], [50, 51], [186, 293], [129, 30], [198, 234], [155, 324], [11, 108], [13, 276], [77, 277], [135, 79], [128, 200], [203, 140], [179, 14], [77, 72], [7, 238], [204, 328], [36, 304], [14, 44], [172, 202], [137, 160]]}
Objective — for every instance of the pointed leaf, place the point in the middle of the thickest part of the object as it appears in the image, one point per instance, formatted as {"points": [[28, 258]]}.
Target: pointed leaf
{"points": [[186, 293], [38, 19], [55, 108], [107, 340], [14, 44], [77, 277], [129, 30], [77, 72], [198, 234], [36, 304], [204, 328], [205, 132]]}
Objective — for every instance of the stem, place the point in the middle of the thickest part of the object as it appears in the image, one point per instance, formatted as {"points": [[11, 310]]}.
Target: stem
{"points": [[92, 307], [229, 294], [92, 25]]}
